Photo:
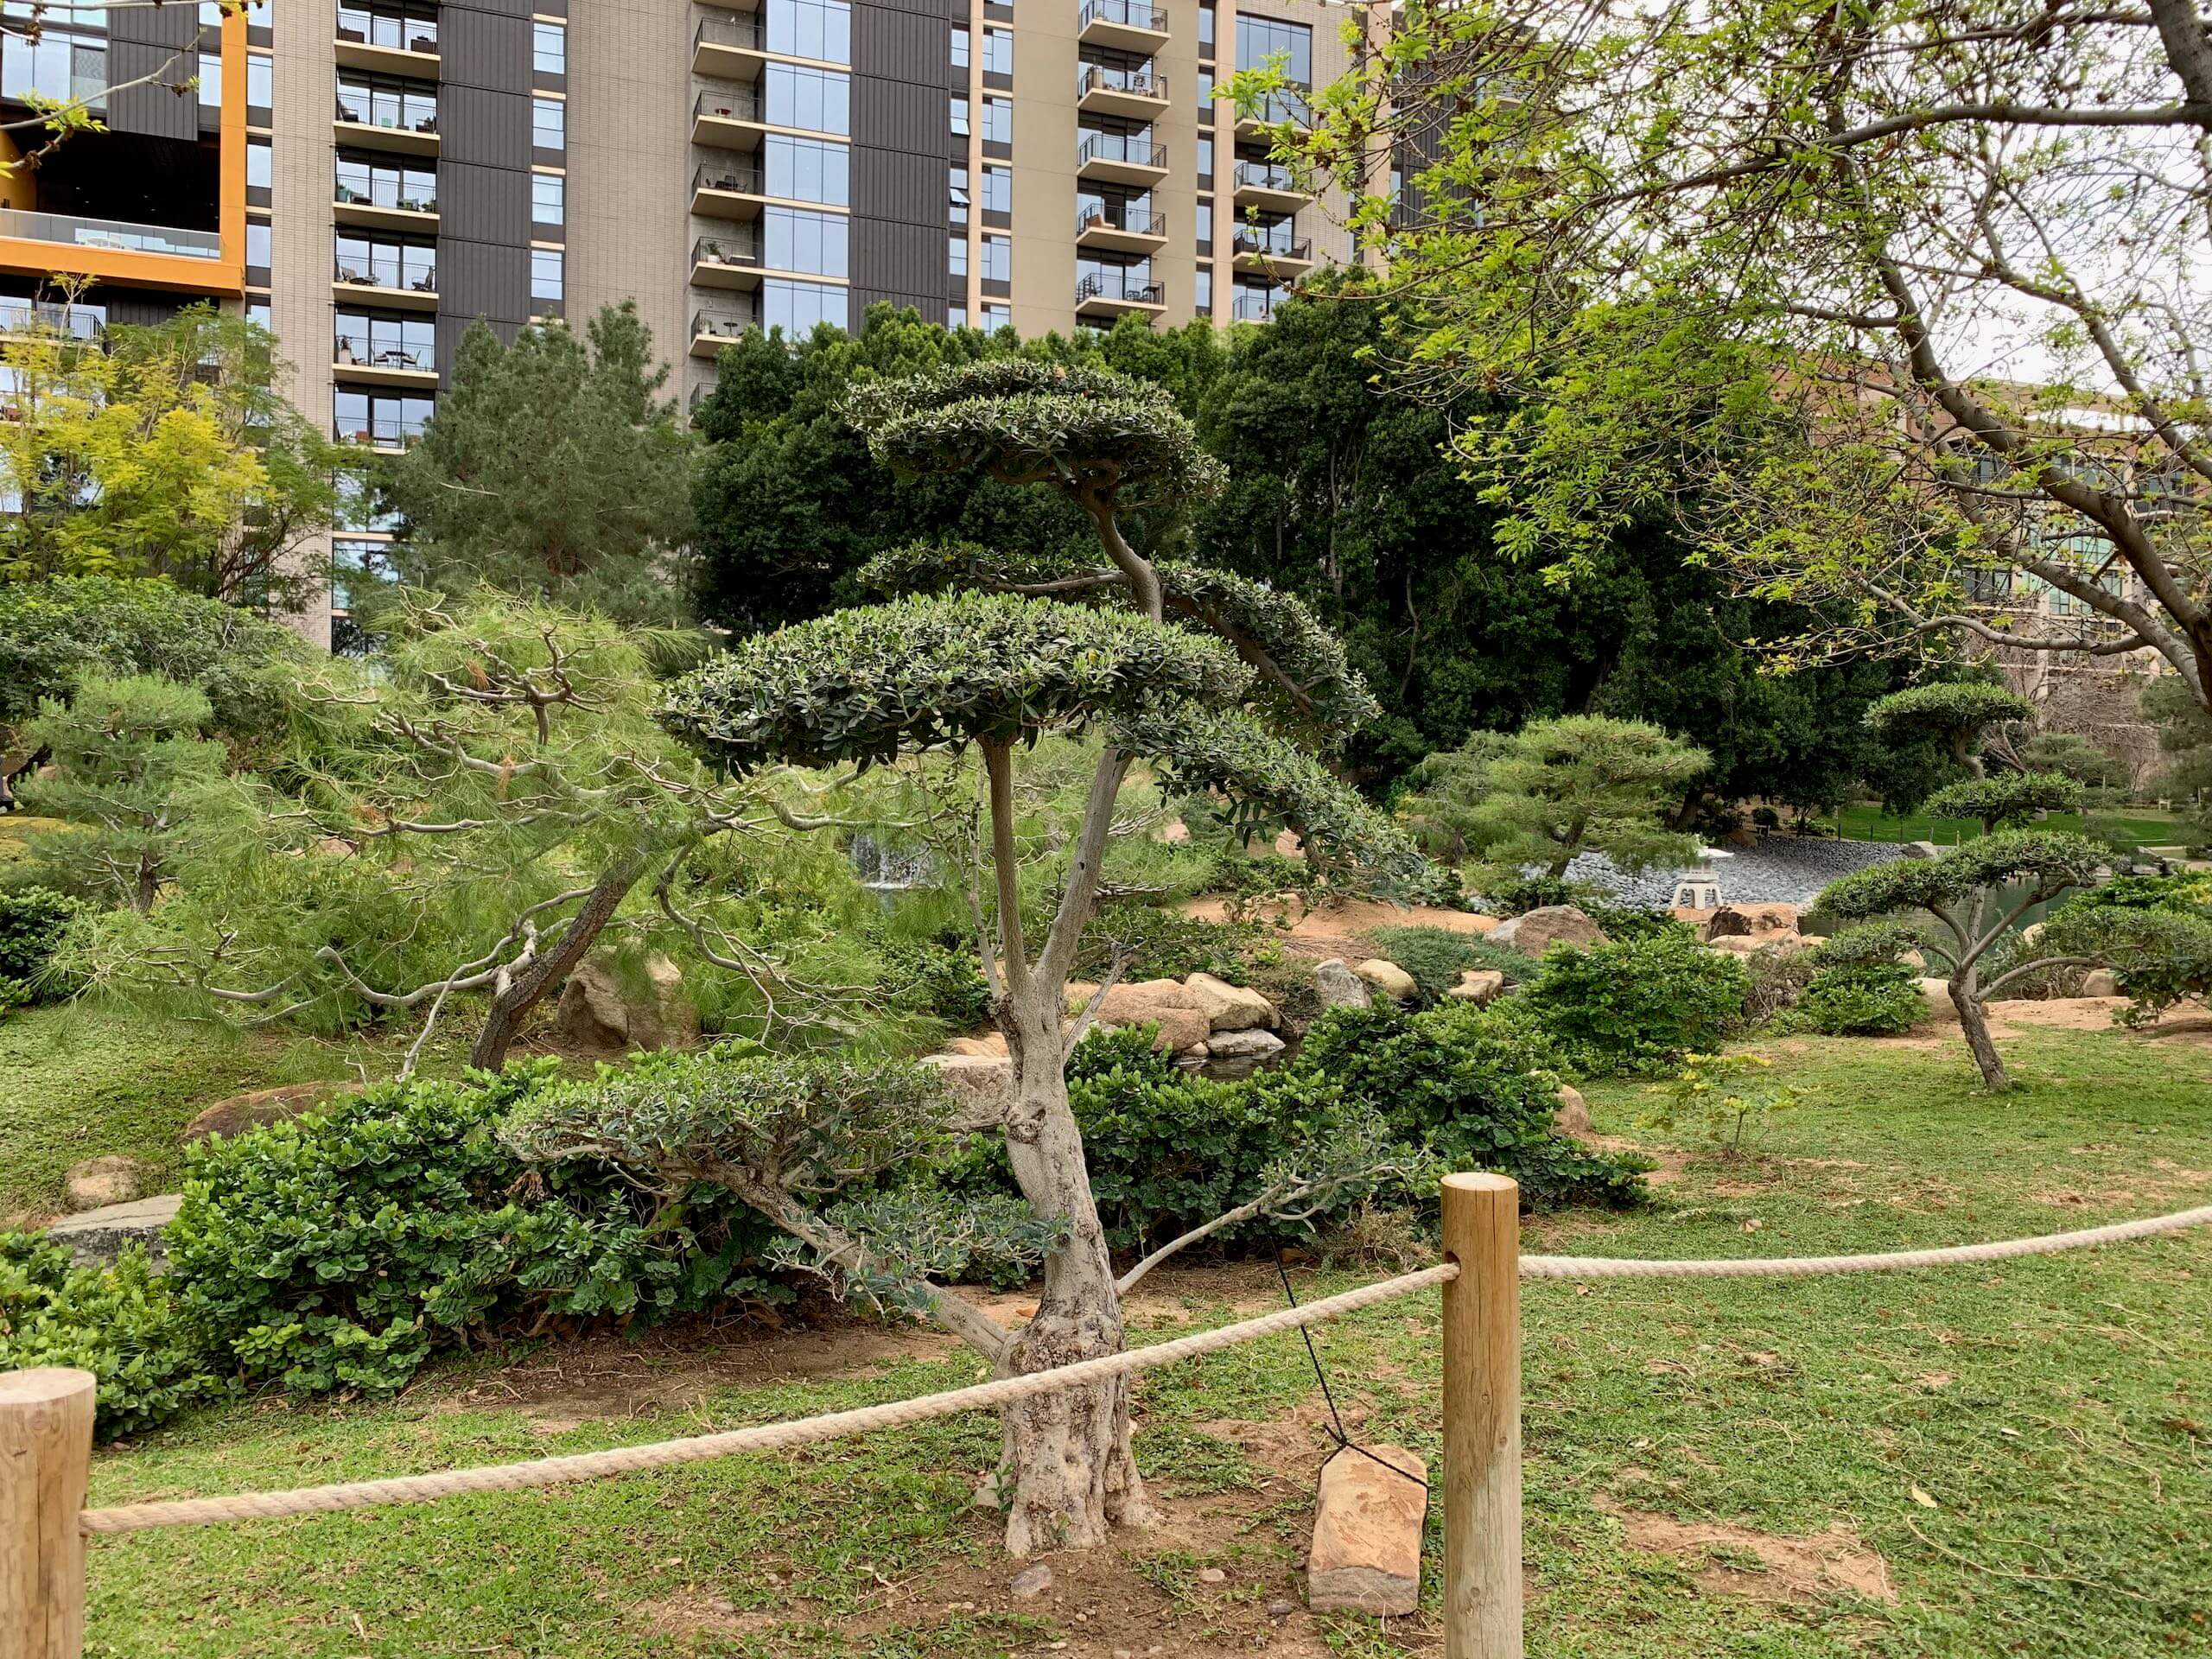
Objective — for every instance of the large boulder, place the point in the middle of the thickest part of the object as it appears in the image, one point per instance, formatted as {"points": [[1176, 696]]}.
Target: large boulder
{"points": [[991, 1045], [1480, 986], [982, 1086], [1165, 1003], [1230, 1007], [1253, 1045], [1727, 923], [2100, 982], [1744, 945], [1536, 932], [98, 1236], [598, 1012], [1338, 987], [1367, 1523], [1936, 993], [243, 1112], [98, 1182], [1389, 978]]}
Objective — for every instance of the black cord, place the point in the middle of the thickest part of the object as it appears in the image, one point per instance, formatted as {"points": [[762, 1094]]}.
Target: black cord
{"points": [[1344, 1441]]}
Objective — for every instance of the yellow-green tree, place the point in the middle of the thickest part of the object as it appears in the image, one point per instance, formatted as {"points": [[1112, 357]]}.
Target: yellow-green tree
{"points": [[165, 451]]}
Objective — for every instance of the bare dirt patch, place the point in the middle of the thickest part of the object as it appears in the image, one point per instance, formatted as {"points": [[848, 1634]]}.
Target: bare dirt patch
{"points": [[1766, 1567]]}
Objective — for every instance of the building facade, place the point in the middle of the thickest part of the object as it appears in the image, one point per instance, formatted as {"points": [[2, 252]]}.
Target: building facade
{"points": [[370, 178]]}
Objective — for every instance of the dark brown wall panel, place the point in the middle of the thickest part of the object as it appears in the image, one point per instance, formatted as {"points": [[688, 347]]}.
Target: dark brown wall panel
{"points": [[483, 170], [484, 49], [900, 48], [141, 40]]}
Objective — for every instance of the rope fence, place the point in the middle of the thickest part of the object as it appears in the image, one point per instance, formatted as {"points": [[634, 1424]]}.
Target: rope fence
{"points": [[45, 1419]]}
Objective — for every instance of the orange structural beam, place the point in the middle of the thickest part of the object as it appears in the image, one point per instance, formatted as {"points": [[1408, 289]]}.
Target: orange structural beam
{"points": [[135, 268]]}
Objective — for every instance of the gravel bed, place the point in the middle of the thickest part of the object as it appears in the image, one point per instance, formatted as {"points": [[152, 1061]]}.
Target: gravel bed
{"points": [[1779, 870]]}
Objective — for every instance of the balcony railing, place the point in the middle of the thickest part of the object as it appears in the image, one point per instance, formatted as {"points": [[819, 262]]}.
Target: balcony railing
{"points": [[747, 32], [386, 193], [1129, 13], [1131, 219], [1275, 108], [395, 111], [1147, 82], [1257, 304], [725, 250], [1273, 244], [743, 181], [1134, 148], [369, 352], [730, 105], [382, 271], [386, 431], [1265, 175], [1100, 286], [51, 316], [78, 232], [395, 34], [721, 324]]}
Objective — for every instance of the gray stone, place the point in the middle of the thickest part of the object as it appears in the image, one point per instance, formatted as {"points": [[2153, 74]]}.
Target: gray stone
{"points": [[2100, 982], [1389, 978], [1536, 932], [1031, 1581], [1245, 1045], [1338, 987], [1280, 1609], [98, 1236], [982, 1086], [596, 1011], [98, 1182], [1367, 1523], [1920, 849]]}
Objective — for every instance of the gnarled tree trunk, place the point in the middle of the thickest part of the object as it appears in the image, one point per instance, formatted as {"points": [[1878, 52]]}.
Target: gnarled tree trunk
{"points": [[1974, 1019]]}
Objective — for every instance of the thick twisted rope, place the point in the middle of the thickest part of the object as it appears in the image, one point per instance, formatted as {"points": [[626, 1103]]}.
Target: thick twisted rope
{"points": [[984, 1396]]}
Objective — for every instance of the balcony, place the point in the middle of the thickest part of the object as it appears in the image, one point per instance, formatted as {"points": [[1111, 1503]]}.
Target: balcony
{"points": [[1120, 158], [711, 330], [1267, 186], [71, 231], [368, 361], [1129, 25], [1273, 252], [391, 433], [386, 42], [387, 282], [727, 192], [727, 120], [1249, 304], [1274, 109], [1135, 94], [729, 49], [1121, 227], [51, 319], [1100, 295], [381, 209], [406, 123], [731, 262]]}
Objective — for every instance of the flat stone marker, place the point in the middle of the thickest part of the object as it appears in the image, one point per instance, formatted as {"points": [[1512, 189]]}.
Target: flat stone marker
{"points": [[98, 1236], [1366, 1554]]}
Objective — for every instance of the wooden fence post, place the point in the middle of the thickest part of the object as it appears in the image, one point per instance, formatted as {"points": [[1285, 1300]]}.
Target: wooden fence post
{"points": [[45, 1461], [1482, 1418]]}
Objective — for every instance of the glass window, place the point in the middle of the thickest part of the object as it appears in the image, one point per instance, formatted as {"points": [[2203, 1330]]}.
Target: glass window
{"points": [[798, 240], [1258, 39], [353, 565], [547, 198], [1205, 94], [385, 101], [797, 308], [956, 263], [998, 120], [211, 13], [998, 258], [960, 118], [548, 48], [955, 316], [960, 48], [998, 51], [260, 80], [211, 81], [1205, 31], [807, 169], [816, 99], [64, 68], [998, 316], [811, 28], [257, 243], [998, 189], [385, 340], [549, 123], [1205, 158], [1204, 290], [545, 274], [958, 212], [259, 313], [260, 163]]}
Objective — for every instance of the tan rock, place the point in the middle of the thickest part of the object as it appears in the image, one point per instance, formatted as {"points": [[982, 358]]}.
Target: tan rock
{"points": [[991, 1045], [1182, 1031], [1147, 999], [2100, 982], [1389, 978], [1573, 1116], [1338, 987], [98, 1182], [982, 1087], [1480, 986], [243, 1112], [1537, 930], [596, 1011], [1230, 1007], [1936, 993], [1367, 1524], [1744, 945]]}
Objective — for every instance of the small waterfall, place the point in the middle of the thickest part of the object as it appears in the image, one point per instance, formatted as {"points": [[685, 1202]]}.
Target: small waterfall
{"points": [[887, 871]]}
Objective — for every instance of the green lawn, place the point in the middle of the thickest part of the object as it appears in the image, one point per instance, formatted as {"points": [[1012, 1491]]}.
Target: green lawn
{"points": [[2028, 1450], [1865, 820]]}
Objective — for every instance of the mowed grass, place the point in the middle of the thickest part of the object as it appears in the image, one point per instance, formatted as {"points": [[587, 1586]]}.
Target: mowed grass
{"points": [[2027, 1449], [1865, 820]]}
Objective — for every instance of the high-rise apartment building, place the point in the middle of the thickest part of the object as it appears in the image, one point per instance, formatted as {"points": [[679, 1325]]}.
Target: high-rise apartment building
{"points": [[369, 179]]}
